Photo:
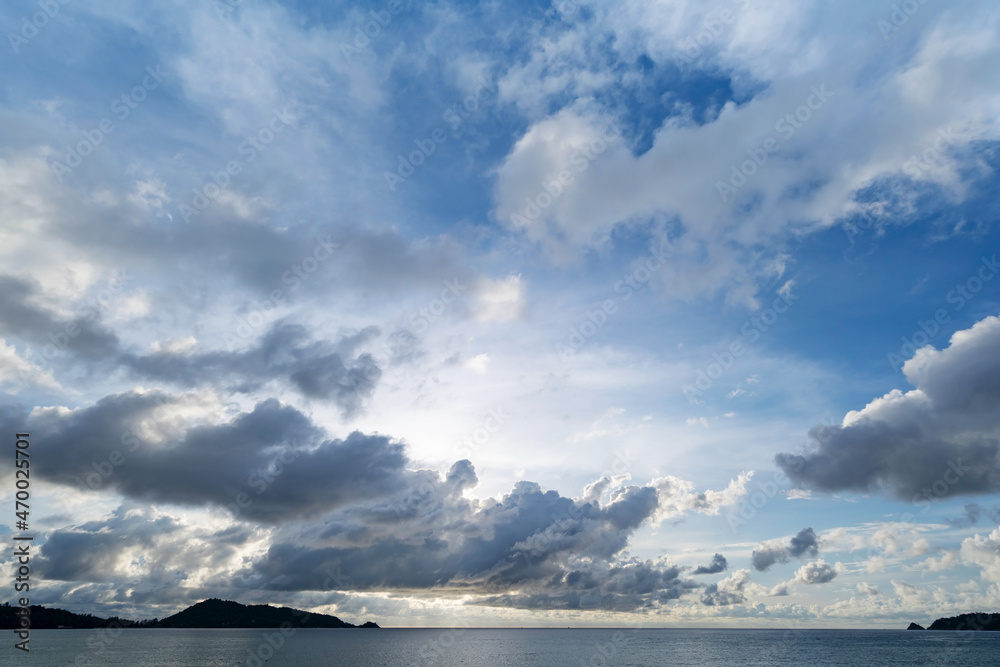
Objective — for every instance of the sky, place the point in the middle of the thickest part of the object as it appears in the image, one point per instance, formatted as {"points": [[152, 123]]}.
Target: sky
{"points": [[582, 313]]}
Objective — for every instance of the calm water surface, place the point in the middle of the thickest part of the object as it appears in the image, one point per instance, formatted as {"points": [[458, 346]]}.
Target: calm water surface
{"points": [[503, 648]]}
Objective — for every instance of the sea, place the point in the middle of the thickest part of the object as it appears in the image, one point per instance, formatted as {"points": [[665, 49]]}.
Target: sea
{"points": [[501, 647]]}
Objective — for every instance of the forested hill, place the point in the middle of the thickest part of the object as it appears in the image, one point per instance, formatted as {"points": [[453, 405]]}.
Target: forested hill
{"points": [[968, 622], [216, 613], [212, 613]]}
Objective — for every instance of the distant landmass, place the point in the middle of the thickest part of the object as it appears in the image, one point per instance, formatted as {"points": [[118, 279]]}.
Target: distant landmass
{"points": [[213, 613], [979, 621]]}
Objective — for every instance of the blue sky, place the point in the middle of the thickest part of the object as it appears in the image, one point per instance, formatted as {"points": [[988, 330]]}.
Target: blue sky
{"points": [[513, 313]]}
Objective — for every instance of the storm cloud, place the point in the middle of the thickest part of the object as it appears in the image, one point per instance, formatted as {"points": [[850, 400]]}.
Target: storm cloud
{"points": [[939, 440], [24, 314], [529, 549], [349, 514], [318, 370], [717, 565], [804, 544], [170, 449]]}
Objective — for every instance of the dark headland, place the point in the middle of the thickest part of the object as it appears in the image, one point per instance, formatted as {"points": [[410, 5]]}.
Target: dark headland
{"points": [[979, 621], [213, 613]]}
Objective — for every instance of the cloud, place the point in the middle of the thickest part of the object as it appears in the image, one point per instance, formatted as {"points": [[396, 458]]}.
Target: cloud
{"points": [[678, 496], [529, 549], [138, 556], [975, 511], [868, 590], [16, 373], [939, 440], [910, 593], [984, 551], [945, 563], [500, 300], [717, 565], [355, 505], [156, 447], [727, 591], [817, 572], [676, 164], [478, 364], [23, 313], [92, 552], [804, 544], [319, 370]]}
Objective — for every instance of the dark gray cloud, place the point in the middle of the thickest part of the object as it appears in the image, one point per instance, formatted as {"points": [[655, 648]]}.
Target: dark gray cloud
{"points": [[322, 370], [937, 441], [256, 253], [319, 370], [274, 455], [717, 565], [974, 512], [528, 528], [91, 551], [628, 586], [97, 560], [22, 314], [556, 553], [804, 544], [767, 555], [345, 514]]}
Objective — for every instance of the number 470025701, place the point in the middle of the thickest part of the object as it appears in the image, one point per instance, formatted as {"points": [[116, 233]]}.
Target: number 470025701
{"points": [[23, 480]]}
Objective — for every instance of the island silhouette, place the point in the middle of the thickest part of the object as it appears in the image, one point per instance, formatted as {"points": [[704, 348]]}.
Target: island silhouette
{"points": [[977, 621], [211, 613]]}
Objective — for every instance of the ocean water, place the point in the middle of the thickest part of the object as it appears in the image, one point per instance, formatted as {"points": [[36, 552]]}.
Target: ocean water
{"points": [[502, 648]]}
